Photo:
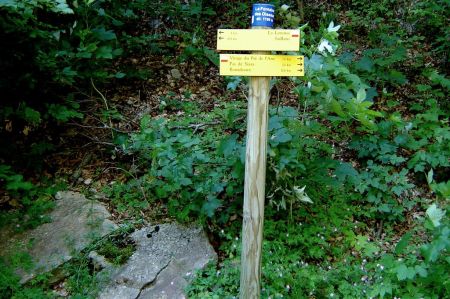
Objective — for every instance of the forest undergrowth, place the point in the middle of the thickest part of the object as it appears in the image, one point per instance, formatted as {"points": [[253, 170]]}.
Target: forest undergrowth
{"points": [[125, 100]]}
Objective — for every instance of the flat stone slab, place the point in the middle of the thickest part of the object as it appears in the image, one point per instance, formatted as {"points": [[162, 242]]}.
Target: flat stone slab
{"points": [[166, 256], [76, 221]]}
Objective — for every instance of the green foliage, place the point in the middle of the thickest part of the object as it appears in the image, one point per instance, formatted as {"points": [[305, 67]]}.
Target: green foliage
{"points": [[10, 286], [31, 201], [370, 132], [296, 159], [184, 170]]}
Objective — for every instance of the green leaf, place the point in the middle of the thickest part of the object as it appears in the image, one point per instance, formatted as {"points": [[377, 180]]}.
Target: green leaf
{"points": [[103, 34], [361, 95], [301, 195], [422, 271], [429, 176], [212, 55], [210, 206], [337, 108], [345, 171], [32, 116], [281, 136], [443, 189], [120, 75], [228, 145], [365, 64], [16, 183], [63, 113], [233, 82], [435, 214], [104, 52], [62, 7], [401, 245], [404, 272]]}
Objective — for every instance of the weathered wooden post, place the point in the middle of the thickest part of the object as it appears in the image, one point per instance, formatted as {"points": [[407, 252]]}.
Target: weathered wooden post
{"points": [[259, 66], [255, 168]]}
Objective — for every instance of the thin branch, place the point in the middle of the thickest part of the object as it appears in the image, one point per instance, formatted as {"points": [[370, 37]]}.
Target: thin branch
{"points": [[196, 127], [106, 105], [99, 127]]}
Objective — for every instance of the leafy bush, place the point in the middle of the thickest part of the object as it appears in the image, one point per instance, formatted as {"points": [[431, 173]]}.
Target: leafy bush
{"points": [[30, 201]]}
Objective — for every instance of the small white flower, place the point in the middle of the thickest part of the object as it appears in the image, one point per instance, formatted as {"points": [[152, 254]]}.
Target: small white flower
{"points": [[284, 7], [309, 85], [332, 28], [325, 45]]}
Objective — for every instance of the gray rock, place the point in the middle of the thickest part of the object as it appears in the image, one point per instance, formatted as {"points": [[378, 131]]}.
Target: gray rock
{"points": [[162, 264], [98, 261], [175, 74], [75, 222]]}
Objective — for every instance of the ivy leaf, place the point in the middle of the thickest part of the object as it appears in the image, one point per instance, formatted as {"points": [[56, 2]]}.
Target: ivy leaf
{"points": [[435, 214], [233, 82]]}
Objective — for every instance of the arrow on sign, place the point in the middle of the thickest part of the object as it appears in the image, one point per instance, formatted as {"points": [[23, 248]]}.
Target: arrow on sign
{"points": [[258, 40]]}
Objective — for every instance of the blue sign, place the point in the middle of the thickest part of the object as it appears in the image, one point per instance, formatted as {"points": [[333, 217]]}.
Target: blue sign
{"points": [[263, 14]]}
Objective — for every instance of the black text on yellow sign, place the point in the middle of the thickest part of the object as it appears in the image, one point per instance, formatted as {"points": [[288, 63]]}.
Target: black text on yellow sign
{"points": [[261, 65], [258, 39]]}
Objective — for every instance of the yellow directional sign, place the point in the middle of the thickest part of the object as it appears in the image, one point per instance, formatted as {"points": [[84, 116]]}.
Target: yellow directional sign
{"points": [[258, 39], [261, 65]]}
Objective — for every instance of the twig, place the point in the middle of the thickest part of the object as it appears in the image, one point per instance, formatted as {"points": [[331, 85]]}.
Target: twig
{"points": [[98, 127], [196, 127], [106, 105]]}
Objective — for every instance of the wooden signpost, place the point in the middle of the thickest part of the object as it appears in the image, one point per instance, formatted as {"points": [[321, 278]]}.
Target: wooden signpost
{"points": [[259, 66]]}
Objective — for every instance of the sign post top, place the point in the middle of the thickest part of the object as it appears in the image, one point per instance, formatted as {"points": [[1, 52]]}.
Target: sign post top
{"points": [[263, 14]]}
